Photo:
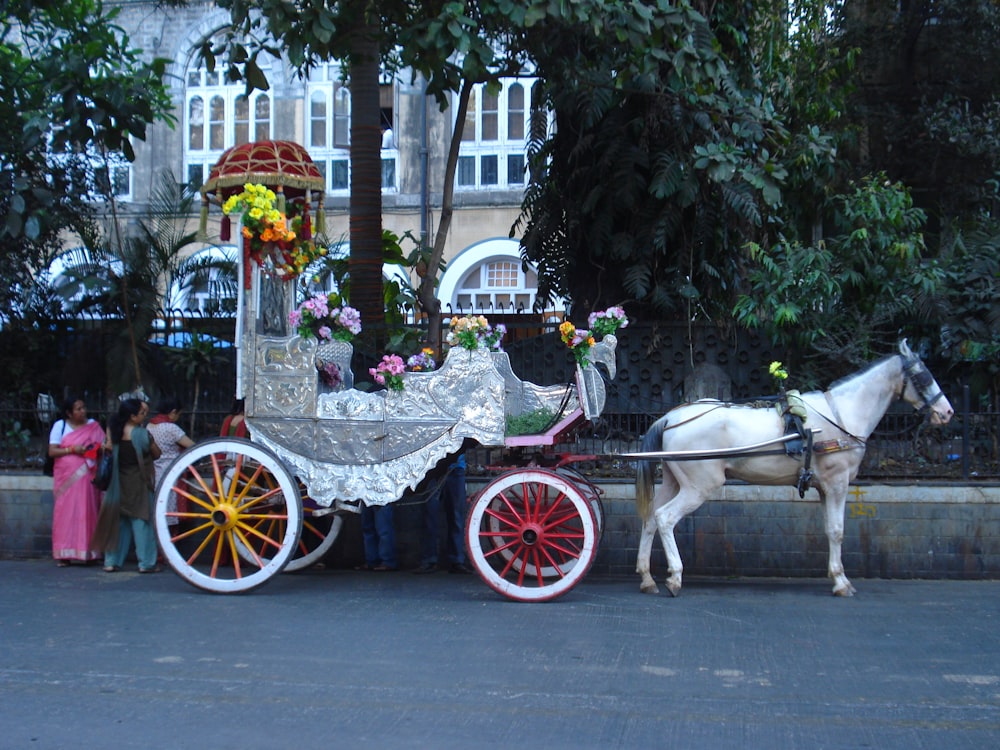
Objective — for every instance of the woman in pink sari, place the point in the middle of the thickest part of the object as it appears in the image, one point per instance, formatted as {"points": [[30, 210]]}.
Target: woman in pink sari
{"points": [[73, 443]]}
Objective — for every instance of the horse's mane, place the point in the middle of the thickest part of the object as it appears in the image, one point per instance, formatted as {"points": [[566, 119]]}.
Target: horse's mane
{"points": [[871, 366]]}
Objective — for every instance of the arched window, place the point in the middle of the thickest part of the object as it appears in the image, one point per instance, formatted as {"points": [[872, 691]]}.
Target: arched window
{"points": [[219, 115], [489, 277], [205, 283]]}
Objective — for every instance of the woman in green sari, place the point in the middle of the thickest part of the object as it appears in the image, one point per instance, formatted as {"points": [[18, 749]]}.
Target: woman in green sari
{"points": [[127, 510]]}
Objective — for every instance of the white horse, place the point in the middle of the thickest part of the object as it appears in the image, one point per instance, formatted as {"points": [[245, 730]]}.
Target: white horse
{"points": [[703, 442]]}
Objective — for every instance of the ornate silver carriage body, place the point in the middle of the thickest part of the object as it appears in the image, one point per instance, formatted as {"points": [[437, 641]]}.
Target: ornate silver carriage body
{"points": [[351, 446]]}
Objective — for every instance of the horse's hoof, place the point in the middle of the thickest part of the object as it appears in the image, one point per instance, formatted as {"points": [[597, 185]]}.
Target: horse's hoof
{"points": [[847, 590], [673, 588], [649, 588]]}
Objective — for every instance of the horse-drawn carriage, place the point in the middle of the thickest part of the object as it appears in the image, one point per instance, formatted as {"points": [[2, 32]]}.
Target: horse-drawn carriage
{"points": [[246, 510], [232, 513]]}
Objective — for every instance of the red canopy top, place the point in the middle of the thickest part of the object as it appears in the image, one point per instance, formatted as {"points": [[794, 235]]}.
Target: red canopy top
{"points": [[273, 163]]}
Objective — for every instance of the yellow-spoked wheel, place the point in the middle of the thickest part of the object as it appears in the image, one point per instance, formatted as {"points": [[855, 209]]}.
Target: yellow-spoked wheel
{"points": [[231, 494], [320, 529]]}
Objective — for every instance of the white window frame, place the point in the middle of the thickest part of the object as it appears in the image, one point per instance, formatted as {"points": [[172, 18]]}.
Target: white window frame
{"points": [[333, 158], [187, 299], [472, 264], [206, 87], [477, 151]]}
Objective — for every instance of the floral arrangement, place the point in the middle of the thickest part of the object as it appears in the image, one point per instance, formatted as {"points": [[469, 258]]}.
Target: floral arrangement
{"points": [[323, 317], [608, 321], [579, 340], [389, 372], [274, 243], [778, 372], [793, 399], [422, 361], [475, 332]]}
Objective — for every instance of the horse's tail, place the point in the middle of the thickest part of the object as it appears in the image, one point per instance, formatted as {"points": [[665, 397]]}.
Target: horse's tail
{"points": [[651, 441]]}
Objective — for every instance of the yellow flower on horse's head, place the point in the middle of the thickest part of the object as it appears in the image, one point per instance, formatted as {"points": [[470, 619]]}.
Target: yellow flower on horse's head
{"points": [[777, 370]]}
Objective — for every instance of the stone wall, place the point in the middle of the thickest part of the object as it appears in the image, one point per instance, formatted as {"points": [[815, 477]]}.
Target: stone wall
{"points": [[891, 531]]}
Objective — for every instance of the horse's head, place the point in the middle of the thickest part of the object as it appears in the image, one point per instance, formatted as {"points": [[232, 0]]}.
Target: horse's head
{"points": [[921, 390]]}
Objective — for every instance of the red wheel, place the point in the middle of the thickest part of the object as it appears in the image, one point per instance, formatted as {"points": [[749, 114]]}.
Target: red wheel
{"points": [[237, 495], [531, 535]]}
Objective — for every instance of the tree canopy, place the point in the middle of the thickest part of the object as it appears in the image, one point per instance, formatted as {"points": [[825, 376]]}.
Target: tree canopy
{"points": [[73, 90]]}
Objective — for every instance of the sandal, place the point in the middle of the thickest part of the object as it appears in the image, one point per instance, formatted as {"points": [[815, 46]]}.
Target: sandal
{"points": [[154, 569], [111, 568]]}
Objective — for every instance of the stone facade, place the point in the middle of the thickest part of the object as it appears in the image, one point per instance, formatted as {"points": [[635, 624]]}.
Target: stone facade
{"points": [[175, 34]]}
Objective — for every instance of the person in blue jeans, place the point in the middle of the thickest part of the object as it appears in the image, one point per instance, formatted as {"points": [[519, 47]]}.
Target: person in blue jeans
{"points": [[452, 496], [379, 534]]}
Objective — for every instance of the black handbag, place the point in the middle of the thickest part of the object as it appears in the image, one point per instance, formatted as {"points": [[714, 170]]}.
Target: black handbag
{"points": [[49, 467], [102, 479]]}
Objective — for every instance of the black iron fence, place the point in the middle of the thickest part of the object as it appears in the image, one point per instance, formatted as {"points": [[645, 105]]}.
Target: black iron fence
{"points": [[655, 366], [903, 447]]}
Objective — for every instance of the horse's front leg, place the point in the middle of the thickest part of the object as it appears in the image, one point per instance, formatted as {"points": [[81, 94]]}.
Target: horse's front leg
{"points": [[834, 502], [647, 585]]}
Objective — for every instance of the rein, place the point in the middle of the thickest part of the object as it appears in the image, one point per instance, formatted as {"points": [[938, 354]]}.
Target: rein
{"points": [[721, 405]]}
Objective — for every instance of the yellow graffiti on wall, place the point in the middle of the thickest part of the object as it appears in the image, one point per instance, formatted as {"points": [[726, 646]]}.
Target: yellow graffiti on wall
{"points": [[858, 508]]}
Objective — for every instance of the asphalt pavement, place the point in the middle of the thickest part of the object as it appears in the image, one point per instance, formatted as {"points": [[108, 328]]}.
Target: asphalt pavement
{"points": [[344, 659]]}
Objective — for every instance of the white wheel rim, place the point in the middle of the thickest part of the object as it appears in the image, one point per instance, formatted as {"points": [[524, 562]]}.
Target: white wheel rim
{"points": [[531, 535], [223, 513]]}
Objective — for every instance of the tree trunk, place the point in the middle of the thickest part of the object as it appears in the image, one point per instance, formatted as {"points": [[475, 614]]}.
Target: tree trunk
{"points": [[365, 263], [427, 292]]}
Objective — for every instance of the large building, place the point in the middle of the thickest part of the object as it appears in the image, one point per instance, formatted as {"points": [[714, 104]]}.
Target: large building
{"points": [[484, 268]]}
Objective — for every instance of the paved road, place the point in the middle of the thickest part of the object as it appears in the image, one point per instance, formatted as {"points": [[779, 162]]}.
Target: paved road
{"points": [[337, 659]]}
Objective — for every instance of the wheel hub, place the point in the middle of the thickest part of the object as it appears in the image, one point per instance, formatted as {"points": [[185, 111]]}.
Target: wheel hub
{"points": [[530, 534], [224, 517]]}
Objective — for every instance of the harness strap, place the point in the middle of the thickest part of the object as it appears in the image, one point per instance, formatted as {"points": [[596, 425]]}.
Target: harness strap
{"points": [[836, 416], [833, 446], [696, 416]]}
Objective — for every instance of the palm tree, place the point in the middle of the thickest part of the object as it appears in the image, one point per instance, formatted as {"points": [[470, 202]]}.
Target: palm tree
{"points": [[197, 359], [129, 277]]}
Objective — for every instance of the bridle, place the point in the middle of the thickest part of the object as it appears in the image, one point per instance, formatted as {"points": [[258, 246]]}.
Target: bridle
{"points": [[922, 381]]}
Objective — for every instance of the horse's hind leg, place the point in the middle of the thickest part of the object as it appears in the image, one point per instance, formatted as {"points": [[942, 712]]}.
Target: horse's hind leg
{"points": [[687, 500], [648, 585], [667, 489]]}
